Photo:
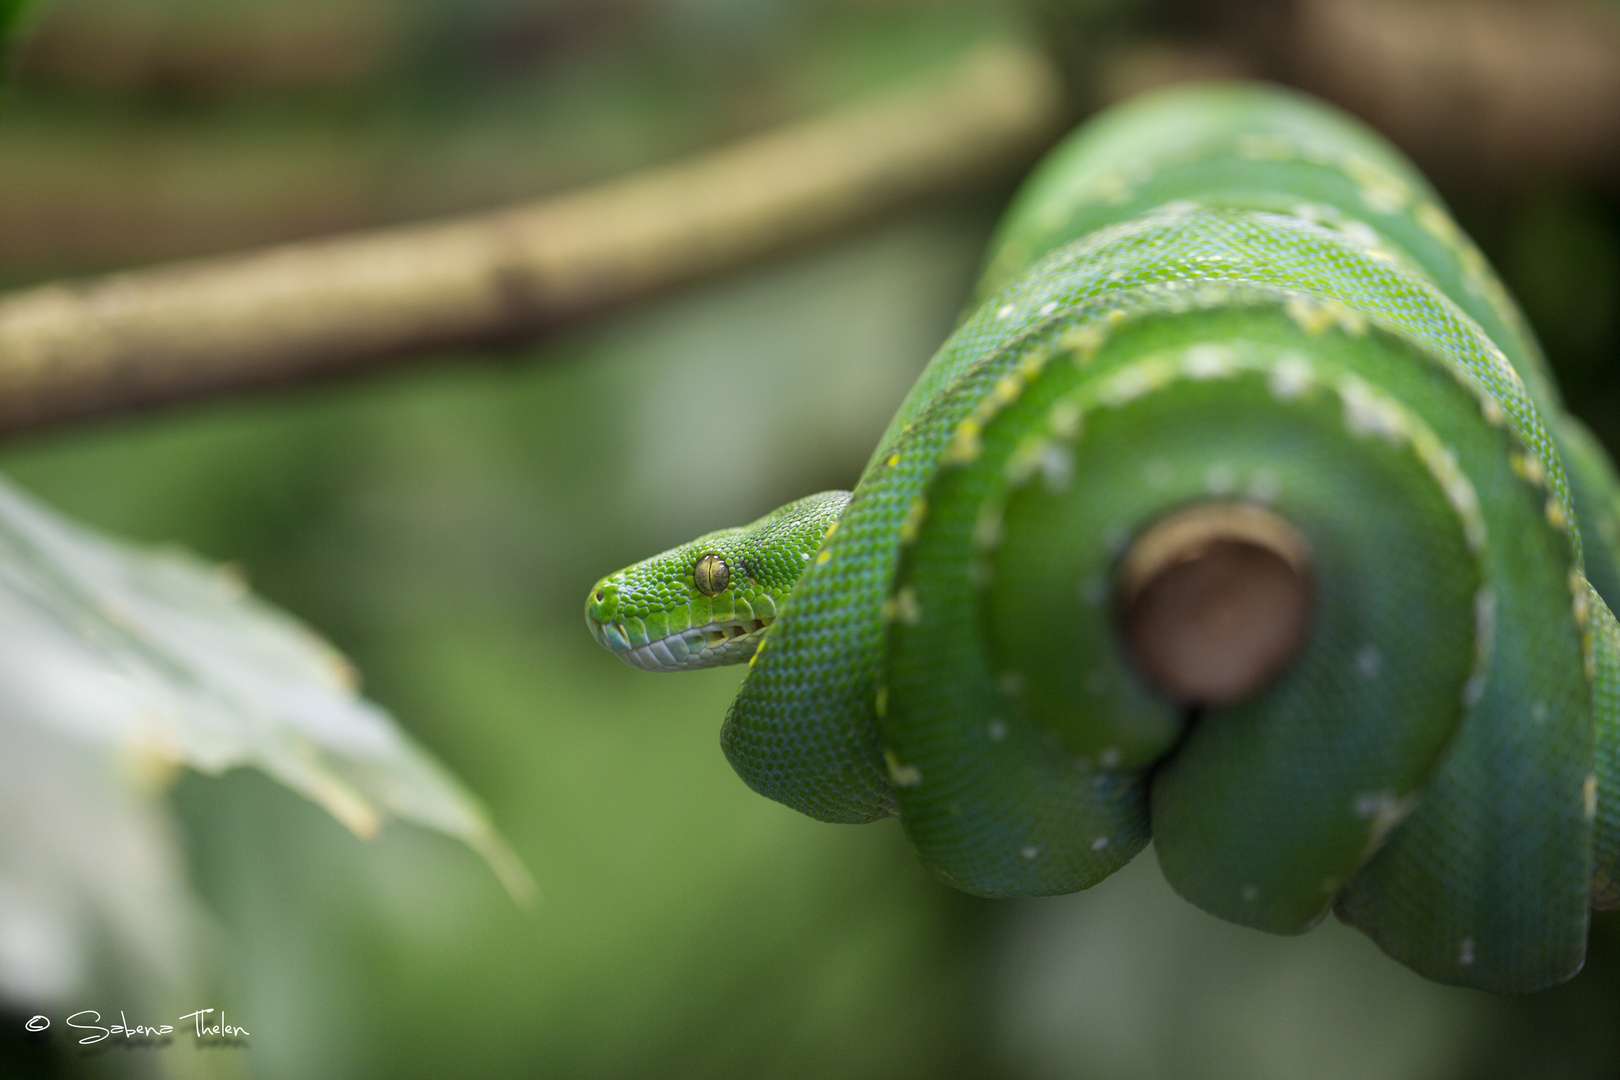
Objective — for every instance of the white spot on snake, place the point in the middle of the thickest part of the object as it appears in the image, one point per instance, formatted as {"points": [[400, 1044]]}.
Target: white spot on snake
{"points": [[1265, 147], [1034, 362], [998, 730], [1158, 473], [1206, 362], [1437, 224], [1251, 893], [1111, 186], [1006, 389], [1263, 486], [1368, 661], [916, 514], [1110, 758], [964, 446], [1362, 234], [1381, 192], [804, 557], [1309, 315], [1442, 465], [987, 527], [1371, 804], [1383, 200], [1538, 712], [1064, 419], [1057, 467], [1384, 809], [1219, 479], [1589, 797], [1099, 844], [1025, 460], [1465, 952], [1048, 307], [1005, 311], [1083, 342], [1366, 412], [1291, 377], [1133, 382], [1367, 175], [903, 776], [1029, 851], [1484, 642]]}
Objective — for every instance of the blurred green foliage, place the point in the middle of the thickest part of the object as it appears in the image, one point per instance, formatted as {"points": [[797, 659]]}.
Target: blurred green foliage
{"points": [[443, 524]]}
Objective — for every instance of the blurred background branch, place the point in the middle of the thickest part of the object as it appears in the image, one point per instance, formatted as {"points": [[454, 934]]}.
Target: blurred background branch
{"points": [[218, 325], [1499, 91]]}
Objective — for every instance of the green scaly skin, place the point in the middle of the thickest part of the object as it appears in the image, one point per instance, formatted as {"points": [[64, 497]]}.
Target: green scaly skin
{"points": [[1219, 294], [653, 616]]}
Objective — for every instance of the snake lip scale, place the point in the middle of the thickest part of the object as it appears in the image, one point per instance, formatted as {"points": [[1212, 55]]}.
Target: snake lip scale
{"points": [[712, 643]]}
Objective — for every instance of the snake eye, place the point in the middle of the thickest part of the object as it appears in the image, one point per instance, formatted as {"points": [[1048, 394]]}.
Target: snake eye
{"points": [[711, 575]]}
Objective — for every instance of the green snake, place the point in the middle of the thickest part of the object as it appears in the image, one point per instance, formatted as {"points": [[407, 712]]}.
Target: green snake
{"points": [[1232, 302]]}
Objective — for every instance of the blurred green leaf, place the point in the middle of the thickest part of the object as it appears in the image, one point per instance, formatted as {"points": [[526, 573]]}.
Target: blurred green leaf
{"points": [[118, 667]]}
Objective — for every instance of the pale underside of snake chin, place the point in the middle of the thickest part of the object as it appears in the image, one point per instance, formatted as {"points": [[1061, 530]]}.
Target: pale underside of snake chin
{"points": [[729, 641], [710, 602]]}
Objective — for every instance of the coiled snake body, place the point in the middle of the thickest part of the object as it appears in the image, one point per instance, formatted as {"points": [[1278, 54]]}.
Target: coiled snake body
{"points": [[1227, 324]]}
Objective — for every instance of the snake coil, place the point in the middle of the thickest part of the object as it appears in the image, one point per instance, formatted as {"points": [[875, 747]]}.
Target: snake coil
{"points": [[1225, 332]]}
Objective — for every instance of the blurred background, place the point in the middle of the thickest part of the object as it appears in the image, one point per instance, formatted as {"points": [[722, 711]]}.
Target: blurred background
{"points": [[441, 523]]}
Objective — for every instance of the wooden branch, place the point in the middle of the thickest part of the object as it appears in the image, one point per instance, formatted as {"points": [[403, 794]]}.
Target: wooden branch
{"points": [[1481, 93], [220, 325], [1503, 90]]}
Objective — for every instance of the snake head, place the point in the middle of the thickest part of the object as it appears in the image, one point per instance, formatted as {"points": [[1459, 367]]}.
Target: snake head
{"points": [[710, 601]]}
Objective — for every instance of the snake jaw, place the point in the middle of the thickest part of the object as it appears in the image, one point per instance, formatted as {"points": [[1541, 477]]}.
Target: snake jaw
{"points": [[664, 639], [659, 614], [710, 645], [610, 636]]}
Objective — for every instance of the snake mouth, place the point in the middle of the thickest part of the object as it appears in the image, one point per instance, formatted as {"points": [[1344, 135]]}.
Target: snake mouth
{"points": [[728, 641]]}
